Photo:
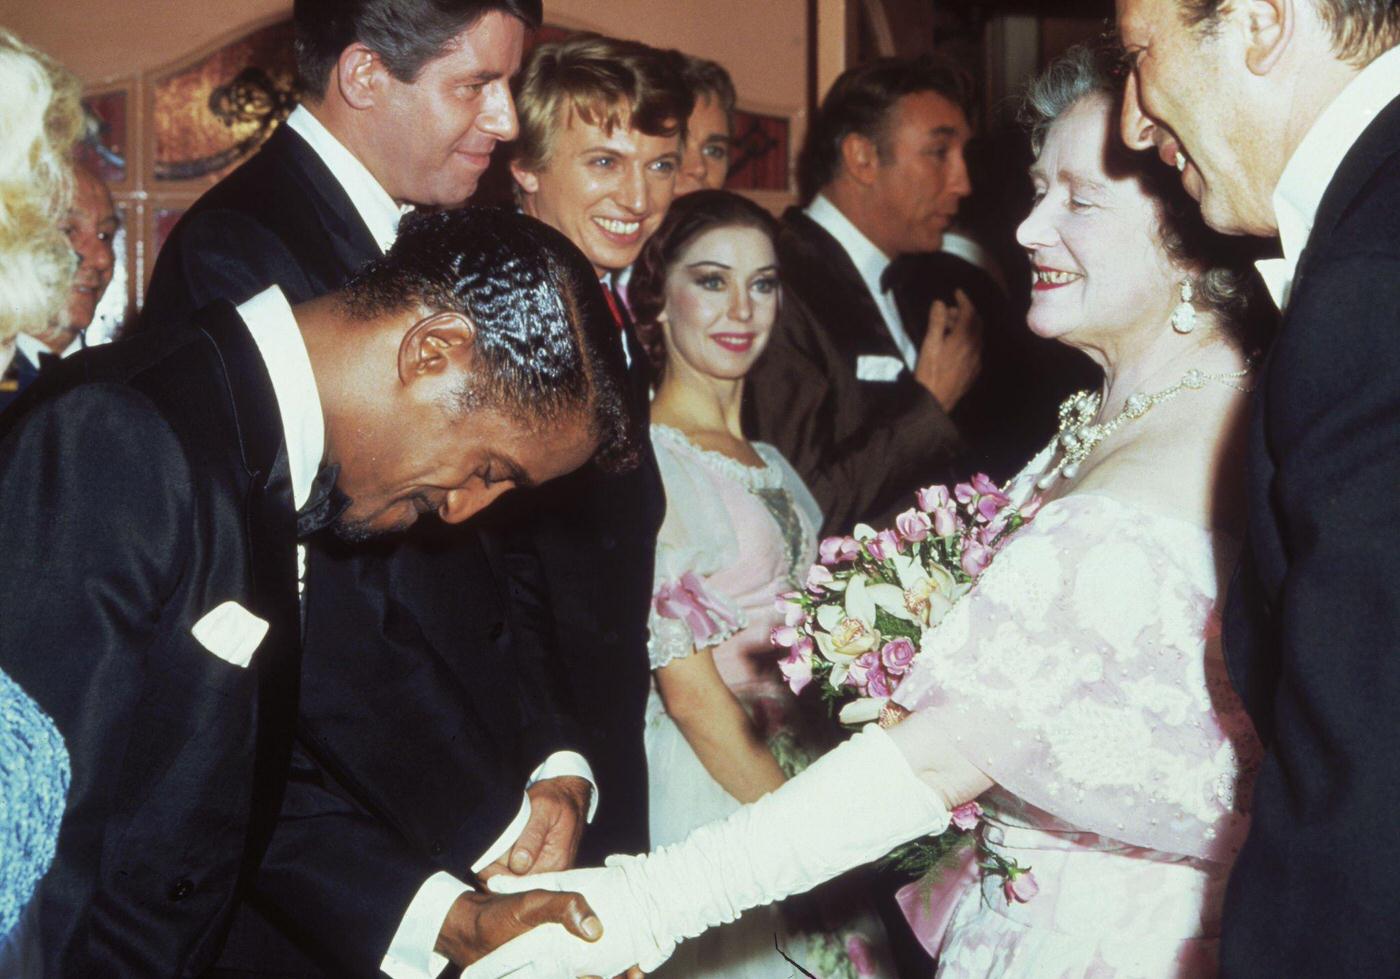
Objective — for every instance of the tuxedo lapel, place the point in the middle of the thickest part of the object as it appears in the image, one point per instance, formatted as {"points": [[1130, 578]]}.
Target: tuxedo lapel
{"points": [[271, 531], [820, 268], [351, 242]]}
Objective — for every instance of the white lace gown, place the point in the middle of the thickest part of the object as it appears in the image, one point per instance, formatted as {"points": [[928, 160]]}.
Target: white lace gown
{"points": [[733, 538], [1084, 675]]}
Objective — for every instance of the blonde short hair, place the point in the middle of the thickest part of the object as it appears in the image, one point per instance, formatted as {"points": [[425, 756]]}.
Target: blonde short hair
{"points": [[604, 81], [40, 120]]}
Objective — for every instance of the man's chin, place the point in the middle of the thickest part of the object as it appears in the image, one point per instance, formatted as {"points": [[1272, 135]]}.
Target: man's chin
{"points": [[358, 530]]}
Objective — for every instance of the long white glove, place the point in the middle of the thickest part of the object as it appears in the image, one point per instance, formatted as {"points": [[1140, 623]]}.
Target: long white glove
{"points": [[852, 806]]}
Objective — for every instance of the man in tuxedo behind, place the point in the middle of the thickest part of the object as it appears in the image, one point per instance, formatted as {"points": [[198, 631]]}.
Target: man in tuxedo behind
{"points": [[601, 125], [425, 710], [92, 230], [161, 484], [855, 396], [1283, 117]]}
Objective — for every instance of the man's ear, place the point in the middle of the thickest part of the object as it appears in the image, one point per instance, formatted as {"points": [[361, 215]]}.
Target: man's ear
{"points": [[1268, 27], [860, 158], [431, 346], [359, 75], [528, 180]]}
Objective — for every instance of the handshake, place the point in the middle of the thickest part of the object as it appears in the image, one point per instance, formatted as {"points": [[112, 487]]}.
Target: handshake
{"points": [[853, 805]]}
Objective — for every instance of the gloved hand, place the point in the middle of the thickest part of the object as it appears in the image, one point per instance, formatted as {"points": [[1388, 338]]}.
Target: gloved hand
{"points": [[851, 806]]}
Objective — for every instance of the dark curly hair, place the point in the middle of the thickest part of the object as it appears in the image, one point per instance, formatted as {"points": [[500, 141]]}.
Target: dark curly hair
{"points": [[545, 339], [689, 218]]}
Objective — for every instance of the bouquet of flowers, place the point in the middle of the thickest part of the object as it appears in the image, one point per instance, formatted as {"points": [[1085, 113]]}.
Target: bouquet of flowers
{"points": [[857, 625]]}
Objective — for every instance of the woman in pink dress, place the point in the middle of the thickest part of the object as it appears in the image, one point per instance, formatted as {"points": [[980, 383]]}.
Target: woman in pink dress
{"points": [[1078, 690], [722, 728]]}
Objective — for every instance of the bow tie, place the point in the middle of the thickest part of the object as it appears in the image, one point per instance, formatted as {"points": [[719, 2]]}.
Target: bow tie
{"points": [[894, 275], [47, 360], [325, 504]]}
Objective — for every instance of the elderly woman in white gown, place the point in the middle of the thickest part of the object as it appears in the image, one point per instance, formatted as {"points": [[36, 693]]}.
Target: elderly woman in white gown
{"points": [[1078, 691]]}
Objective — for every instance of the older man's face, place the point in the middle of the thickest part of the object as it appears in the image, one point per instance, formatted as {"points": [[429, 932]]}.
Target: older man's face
{"points": [[92, 230], [1191, 97]]}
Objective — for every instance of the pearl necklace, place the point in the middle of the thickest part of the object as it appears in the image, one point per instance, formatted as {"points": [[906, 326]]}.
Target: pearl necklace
{"points": [[1079, 436]]}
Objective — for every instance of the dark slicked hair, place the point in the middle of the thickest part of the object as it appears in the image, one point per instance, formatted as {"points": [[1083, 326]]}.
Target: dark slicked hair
{"points": [[1362, 30], [861, 101], [406, 34], [689, 218], [545, 342]]}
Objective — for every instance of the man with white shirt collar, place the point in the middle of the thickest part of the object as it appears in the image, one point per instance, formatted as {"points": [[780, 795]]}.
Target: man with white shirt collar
{"points": [[92, 230], [1283, 117], [426, 707], [165, 481], [857, 398]]}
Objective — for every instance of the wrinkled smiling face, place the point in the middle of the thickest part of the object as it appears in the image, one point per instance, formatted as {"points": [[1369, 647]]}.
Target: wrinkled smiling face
{"points": [[92, 229], [607, 192], [1187, 99], [435, 135], [721, 302]]}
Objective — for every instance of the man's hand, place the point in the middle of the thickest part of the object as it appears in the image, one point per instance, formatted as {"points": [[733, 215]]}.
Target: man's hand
{"points": [[951, 355], [549, 841], [479, 923]]}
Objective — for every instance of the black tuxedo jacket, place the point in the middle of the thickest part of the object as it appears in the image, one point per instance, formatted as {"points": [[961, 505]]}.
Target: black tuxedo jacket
{"points": [[862, 446], [1313, 622], [586, 547], [423, 708], [142, 486], [21, 373]]}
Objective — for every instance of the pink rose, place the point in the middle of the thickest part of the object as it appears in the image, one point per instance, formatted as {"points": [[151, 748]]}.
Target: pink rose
{"points": [[897, 655], [945, 522], [878, 683], [862, 957], [912, 525], [964, 493], [834, 550], [931, 498], [861, 667], [818, 577], [975, 557], [796, 666], [785, 636], [885, 545], [966, 815], [988, 508], [1019, 885]]}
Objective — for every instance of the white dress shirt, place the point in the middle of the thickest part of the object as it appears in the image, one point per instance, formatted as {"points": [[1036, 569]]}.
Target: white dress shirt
{"points": [[1315, 162], [31, 346], [411, 952], [871, 263]]}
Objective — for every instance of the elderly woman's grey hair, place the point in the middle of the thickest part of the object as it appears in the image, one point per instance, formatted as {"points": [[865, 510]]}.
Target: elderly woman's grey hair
{"points": [[40, 119], [1225, 282]]}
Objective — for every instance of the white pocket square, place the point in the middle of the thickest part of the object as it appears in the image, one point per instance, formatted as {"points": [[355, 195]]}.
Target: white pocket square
{"points": [[878, 367], [231, 633]]}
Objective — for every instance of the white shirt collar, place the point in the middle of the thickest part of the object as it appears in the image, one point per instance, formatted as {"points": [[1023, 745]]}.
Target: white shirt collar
{"points": [[871, 263], [373, 203], [1316, 160], [269, 318], [31, 346]]}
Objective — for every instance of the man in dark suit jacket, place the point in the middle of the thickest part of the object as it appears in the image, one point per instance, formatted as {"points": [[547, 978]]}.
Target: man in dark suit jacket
{"points": [[158, 481], [594, 534], [1312, 627], [855, 396], [425, 710]]}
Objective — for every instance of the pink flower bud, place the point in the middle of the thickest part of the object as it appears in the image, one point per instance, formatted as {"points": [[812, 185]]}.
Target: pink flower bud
{"points": [[966, 815], [884, 545], [945, 522], [1020, 885], [931, 498], [912, 525], [878, 683], [818, 577], [964, 493], [861, 955], [975, 557], [829, 550], [796, 667], [897, 656]]}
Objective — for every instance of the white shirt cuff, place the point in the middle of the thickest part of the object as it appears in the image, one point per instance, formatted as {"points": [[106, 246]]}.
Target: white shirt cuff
{"points": [[565, 763], [411, 953]]}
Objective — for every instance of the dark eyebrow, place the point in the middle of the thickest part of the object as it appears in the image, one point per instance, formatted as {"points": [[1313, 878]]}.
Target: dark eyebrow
{"points": [[696, 265], [515, 473], [948, 131]]}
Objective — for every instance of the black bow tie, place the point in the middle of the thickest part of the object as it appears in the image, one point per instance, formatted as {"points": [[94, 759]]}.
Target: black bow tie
{"points": [[325, 504], [894, 275], [47, 360]]}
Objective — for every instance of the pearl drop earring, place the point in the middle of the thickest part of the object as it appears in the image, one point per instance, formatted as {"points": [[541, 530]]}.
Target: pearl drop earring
{"points": [[1184, 316]]}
